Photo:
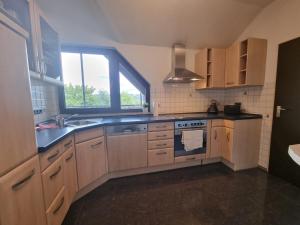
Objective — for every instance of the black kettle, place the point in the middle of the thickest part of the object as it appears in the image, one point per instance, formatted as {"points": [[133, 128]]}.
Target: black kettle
{"points": [[213, 107]]}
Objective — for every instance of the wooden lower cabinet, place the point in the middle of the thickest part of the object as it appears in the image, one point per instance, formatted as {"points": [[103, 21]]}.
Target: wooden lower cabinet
{"points": [[127, 152], [70, 175], [160, 157], [228, 145], [218, 142], [58, 209], [91, 161], [21, 195]]}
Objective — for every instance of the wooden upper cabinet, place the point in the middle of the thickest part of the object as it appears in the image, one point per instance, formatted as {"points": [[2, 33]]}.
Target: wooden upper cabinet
{"points": [[21, 195], [17, 136], [210, 63], [232, 65]]}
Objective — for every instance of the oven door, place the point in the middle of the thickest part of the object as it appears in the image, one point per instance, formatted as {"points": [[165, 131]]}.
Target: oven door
{"points": [[179, 147]]}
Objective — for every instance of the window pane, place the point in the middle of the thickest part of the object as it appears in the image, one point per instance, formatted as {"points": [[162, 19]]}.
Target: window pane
{"points": [[131, 97], [71, 67], [96, 80]]}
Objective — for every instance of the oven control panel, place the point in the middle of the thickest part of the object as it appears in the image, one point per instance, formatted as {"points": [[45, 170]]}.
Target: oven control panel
{"points": [[190, 124]]}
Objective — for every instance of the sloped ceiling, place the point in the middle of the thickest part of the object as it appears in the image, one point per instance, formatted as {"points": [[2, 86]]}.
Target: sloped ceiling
{"points": [[197, 23]]}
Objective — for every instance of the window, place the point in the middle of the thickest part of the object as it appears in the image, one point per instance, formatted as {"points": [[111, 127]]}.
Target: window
{"points": [[100, 80]]}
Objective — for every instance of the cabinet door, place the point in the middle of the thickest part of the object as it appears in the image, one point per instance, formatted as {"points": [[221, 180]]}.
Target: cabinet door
{"points": [[201, 68], [218, 67], [91, 161], [70, 175], [127, 152], [228, 147], [17, 140], [21, 195], [49, 48], [217, 141], [232, 65]]}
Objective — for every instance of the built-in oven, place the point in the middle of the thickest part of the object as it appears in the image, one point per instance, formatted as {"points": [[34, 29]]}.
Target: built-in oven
{"points": [[180, 126]]}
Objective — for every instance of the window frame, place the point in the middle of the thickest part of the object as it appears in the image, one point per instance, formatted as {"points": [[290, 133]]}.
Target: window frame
{"points": [[115, 59]]}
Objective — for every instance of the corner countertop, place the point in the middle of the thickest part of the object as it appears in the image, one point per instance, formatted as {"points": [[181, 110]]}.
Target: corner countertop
{"points": [[49, 137]]}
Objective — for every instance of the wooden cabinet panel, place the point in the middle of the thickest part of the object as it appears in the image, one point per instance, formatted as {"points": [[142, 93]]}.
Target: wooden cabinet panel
{"points": [[68, 143], [18, 142], [88, 135], [160, 126], [218, 67], [160, 135], [232, 65], [127, 152], [201, 68], [50, 156], [160, 157], [21, 195], [158, 144], [228, 147], [218, 136], [58, 209], [53, 181], [189, 158], [91, 161], [70, 175]]}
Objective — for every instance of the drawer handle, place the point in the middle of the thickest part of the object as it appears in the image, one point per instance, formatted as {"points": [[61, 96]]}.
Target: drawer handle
{"points": [[97, 144], [160, 145], [55, 173], [70, 157], [163, 126], [50, 158], [189, 159], [161, 136], [161, 153], [216, 135], [228, 136], [67, 145], [230, 83], [60, 205], [20, 183]]}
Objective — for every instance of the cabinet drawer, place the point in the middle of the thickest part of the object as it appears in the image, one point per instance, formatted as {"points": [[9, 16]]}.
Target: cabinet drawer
{"points": [[189, 158], [67, 143], [58, 209], [160, 126], [169, 143], [47, 158], [217, 123], [88, 134], [91, 161], [160, 135], [160, 157], [21, 195], [53, 181], [229, 123]]}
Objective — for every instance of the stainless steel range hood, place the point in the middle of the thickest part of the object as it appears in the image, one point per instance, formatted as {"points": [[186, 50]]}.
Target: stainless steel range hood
{"points": [[179, 73]]}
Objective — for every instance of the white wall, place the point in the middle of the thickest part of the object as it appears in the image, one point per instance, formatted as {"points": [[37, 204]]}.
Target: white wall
{"points": [[278, 23]]}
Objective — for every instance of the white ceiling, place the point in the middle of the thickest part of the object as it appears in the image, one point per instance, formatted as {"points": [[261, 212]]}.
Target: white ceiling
{"points": [[197, 23]]}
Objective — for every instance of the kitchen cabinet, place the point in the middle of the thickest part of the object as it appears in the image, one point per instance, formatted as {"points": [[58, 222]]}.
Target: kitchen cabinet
{"points": [[91, 161], [232, 65], [21, 195], [70, 175], [159, 157], [210, 63], [218, 141], [227, 150], [17, 136], [127, 151]]}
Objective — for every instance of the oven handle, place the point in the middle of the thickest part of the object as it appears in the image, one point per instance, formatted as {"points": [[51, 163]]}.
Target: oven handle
{"points": [[179, 131]]}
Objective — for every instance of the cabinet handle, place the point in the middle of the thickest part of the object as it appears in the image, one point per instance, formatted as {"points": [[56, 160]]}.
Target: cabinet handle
{"points": [[230, 83], [161, 136], [189, 159], [50, 158], [70, 157], [216, 135], [67, 145], [160, 145], [55, 173], [162, 126], [161, 153], [95, 145], [60, 205], [228, 136], [19, 184]]}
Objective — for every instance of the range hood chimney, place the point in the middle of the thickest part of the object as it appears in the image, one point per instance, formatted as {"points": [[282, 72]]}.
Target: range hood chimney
{"points": [[179, 73]]}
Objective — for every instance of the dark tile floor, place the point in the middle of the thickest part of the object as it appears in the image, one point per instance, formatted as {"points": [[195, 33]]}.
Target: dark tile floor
{"points": [[208, 195]]}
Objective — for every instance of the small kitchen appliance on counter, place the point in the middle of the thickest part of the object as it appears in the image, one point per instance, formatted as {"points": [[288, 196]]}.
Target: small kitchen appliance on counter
{"points": [[213, 108], [233, 109]]}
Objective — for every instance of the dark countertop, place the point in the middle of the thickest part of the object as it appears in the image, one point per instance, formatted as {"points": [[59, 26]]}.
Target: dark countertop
{"points": [[49, 137]]}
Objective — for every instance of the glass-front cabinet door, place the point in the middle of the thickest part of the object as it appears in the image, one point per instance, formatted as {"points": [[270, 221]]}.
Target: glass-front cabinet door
{"points": [[49, 50], [22, 13]]}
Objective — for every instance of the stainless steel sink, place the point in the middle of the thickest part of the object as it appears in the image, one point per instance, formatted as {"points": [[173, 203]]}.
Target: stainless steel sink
{"points": [[78, 123]]}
